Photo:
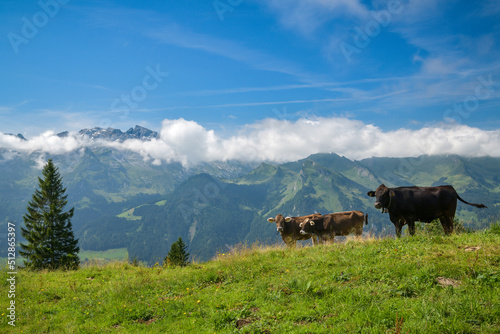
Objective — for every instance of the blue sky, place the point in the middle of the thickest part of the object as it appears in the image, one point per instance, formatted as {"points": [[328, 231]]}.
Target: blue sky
{"points": [[232, 64]]}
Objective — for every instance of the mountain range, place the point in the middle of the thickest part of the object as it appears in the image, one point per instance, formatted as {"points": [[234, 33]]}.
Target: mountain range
{"points": [[123, 201]]}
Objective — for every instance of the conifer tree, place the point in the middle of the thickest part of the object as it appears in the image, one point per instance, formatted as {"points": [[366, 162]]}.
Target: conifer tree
{"points": [[177, 256], [48, 230]]}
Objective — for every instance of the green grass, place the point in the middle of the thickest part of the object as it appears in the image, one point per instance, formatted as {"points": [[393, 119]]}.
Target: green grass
{"points": [[117, 254], [129, 215], [360, 286]]}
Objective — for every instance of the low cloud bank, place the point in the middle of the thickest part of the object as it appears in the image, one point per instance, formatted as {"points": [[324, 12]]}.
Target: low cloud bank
{"points": [[275, 140]]}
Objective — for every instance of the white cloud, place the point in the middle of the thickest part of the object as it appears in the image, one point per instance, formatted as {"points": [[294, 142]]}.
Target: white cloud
{"points": [[275, 140], [47, 142], [307, 16]]}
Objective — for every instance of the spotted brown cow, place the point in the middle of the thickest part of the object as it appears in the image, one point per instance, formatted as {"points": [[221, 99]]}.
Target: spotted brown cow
{"points": [[328, 226], [289, 228]]}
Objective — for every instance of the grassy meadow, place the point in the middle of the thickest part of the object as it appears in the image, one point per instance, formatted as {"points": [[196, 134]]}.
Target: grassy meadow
{"points": [[423, 284], [119, 254]]}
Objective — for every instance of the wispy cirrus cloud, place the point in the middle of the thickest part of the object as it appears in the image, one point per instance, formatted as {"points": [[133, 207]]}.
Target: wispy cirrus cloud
{"points": [[177, 35], [327, 86], [307, 16], [13, 107], [165, 29]]}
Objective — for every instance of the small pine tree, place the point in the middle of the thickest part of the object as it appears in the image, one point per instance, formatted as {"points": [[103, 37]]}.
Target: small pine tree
{"points": [[177, 256], [48, 230], [135, 262]]}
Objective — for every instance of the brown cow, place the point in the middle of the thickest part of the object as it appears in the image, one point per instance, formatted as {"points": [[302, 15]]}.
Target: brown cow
{"points": [[406, 205], [290, 230], [334, 224]]}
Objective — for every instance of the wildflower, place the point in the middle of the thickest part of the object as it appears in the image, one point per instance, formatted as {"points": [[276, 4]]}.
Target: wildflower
{"points": [[198, 301]]}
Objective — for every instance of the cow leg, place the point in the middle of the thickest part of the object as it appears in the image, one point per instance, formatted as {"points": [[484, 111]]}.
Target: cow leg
{"points": [[399, 227], [444, 223], [411, 227], [314, 239], [290, 242], [452, 222], [447, 223], [398, 224], [331, 240]]}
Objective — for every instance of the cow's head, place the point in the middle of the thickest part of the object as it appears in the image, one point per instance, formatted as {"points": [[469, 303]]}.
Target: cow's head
{"points": [[280, 222], [307, 226], [383, 196]]}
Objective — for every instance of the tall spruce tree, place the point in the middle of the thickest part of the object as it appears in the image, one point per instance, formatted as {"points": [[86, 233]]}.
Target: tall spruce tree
{"points": [[177, 256], [48, 231]]}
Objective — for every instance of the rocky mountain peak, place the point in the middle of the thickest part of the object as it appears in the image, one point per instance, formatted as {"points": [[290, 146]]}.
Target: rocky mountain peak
{"points": [[20, 136], [138, 132]]}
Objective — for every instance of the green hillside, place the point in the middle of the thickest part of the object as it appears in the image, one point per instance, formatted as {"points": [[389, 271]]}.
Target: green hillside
{"points": [[213, 215], [422, 284], [100, 181], [123, 201]]}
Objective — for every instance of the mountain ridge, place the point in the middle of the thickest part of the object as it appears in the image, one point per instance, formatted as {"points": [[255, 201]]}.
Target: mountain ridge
{"points": [[225, 202], [138, 132], [112, 134]]}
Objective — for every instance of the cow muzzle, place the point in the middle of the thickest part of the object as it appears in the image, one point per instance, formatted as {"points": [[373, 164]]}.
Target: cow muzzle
{"points": [[303, 232], [279, 229], [378, 205]]}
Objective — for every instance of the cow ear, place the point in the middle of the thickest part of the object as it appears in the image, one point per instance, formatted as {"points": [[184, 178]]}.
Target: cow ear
{"points": [[271, 220], [287, 219], [371, 193], [301, 225], [311, 222], [392, 193]]}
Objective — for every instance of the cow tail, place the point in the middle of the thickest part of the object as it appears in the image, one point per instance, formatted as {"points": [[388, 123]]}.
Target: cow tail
{"points": [[366, 219], [476, 205]]}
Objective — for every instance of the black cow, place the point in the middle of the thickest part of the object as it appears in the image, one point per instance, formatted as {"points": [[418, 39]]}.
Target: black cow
{"points": [[406, 205], [290, 230]]}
